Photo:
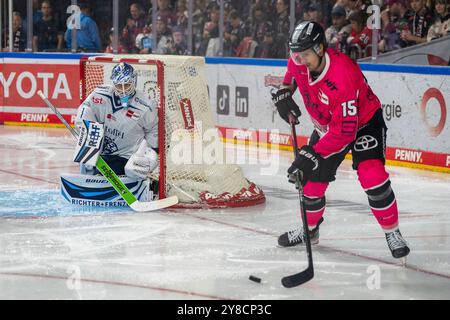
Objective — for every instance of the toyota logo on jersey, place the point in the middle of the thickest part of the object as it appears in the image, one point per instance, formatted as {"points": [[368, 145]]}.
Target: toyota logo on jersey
{"points": [[365, 143]]}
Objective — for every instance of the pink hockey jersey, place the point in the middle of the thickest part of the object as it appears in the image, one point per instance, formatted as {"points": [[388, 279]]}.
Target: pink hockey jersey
{"points": [[339, 101]]}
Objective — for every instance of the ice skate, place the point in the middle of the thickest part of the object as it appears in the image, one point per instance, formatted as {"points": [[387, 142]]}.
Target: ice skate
{"points": [[297, 236], [398, 246]]}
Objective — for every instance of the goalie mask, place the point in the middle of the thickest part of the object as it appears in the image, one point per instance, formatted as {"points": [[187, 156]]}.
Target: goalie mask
{"points": [[124, 79]]}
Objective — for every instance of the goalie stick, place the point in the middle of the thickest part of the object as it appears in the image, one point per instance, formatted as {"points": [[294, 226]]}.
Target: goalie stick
{"points": [[111, 176], [307, 274]]}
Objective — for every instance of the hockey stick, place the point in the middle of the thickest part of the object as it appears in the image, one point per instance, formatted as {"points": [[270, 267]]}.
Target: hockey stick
{"points": [[111, 176], [307, 274]]}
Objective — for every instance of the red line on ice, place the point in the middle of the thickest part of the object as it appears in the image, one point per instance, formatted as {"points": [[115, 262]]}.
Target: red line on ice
{"points": [[116, 283]]}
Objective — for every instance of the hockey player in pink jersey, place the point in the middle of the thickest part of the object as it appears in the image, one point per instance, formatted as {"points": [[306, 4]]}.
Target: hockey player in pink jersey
{"points": [[347, 116]]}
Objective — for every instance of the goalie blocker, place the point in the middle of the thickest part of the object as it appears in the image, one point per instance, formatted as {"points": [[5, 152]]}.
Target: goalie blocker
{"points": [[89, 144]]}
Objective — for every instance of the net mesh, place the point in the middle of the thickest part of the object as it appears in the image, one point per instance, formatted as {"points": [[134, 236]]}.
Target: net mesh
{"points": [[194, 165]]}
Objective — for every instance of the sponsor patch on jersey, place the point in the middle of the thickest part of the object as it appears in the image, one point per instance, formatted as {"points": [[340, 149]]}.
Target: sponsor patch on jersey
{"points": [[97, 100], [323, 97], [133, 115], [109, 146], [331, 84]]}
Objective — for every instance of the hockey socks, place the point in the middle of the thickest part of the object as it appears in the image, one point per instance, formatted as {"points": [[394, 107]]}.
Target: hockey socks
{"points": [[315, 202], [375, 181]]}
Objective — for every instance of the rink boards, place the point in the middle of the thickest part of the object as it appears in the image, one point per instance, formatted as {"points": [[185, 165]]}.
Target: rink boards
{"points": [[414, 102]]}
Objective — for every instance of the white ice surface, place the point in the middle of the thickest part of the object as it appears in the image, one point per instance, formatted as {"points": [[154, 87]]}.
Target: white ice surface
{"points": [[46, 244]]}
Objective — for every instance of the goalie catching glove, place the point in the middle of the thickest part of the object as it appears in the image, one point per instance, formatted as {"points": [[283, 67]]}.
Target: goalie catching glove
{"points": [[286, 105], [142, 162], [308, 162]]}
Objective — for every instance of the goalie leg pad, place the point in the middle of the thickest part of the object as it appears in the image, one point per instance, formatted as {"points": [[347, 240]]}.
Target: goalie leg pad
{"points": [[314, 197], [375, 181], [96, 191]]}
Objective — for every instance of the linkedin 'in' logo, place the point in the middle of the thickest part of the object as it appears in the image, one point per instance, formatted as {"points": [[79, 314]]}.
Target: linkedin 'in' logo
{"points": [[242, 101], [223, 99]]}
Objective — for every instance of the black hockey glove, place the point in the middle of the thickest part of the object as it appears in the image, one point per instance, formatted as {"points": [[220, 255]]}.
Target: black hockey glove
{"points": [[308, 162], [286, 105]]}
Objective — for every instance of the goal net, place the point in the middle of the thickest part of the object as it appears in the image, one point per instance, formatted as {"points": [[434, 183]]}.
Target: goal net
{"points": [[193, 164]]}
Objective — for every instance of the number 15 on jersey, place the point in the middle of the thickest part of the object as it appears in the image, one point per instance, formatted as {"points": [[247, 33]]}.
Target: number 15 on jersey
{"points": [[349, 108]]}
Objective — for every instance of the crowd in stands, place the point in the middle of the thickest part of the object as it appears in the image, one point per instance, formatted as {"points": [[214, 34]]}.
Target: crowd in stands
{"points": [[253, 28]]}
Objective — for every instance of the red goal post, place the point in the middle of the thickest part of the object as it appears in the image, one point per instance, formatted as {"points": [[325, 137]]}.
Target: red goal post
{"points": [[179, 86]]}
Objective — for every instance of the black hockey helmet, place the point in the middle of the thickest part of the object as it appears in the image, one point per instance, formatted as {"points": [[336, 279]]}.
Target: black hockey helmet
{"points": [[306, 35]]}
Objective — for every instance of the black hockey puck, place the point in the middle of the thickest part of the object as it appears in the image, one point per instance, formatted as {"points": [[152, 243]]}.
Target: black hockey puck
{"points": [[255, 279]]}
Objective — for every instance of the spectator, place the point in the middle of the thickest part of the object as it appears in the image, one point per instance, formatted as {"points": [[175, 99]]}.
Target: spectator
{"points": [[281, 43], [326, 8], [144, 40], [242, 7], [166, 11], [361, 36], [181, 15], [164, 36], [344, 4], [337, 34], [210, 45], [441, 26], [163, 43], [350, 6], [258, 21], [135, 25], [266, 42], [198, 21], [394, 19], [315, 14], [267, 48], [48, 35], [19, 38], [233, 34], [359, 5], [88, 38], [178, 45], [246, 48], [418, 24], [314, 10], [120, 47], [37, 15], [281, 22], [214, 13]]}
